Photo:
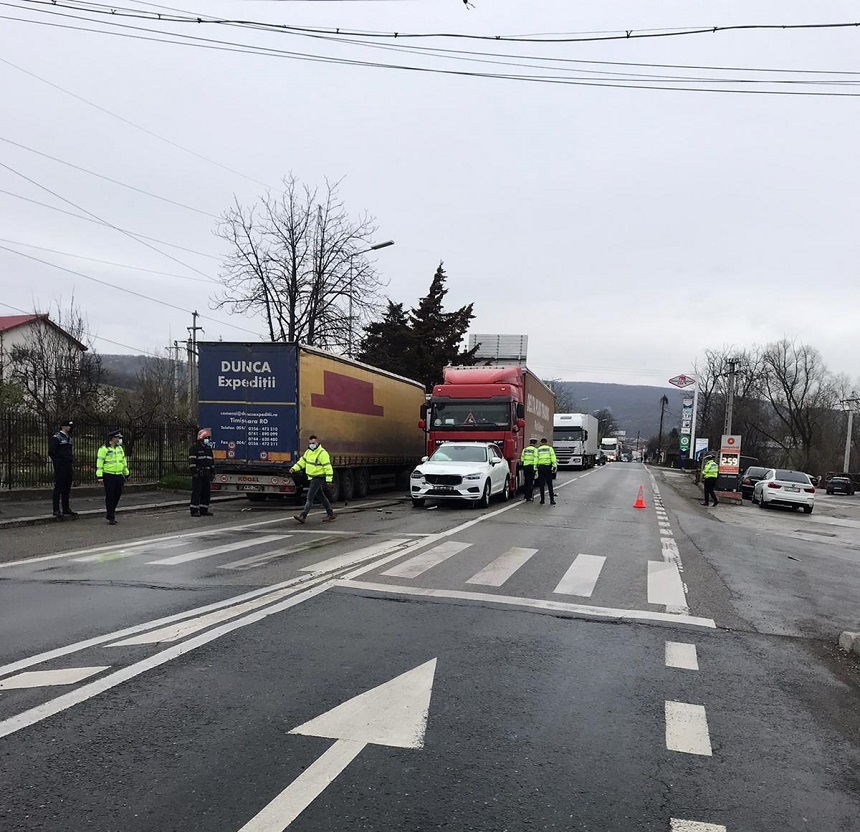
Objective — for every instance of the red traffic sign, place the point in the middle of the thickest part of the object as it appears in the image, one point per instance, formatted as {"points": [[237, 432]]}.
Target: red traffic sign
{"points": [[682, 381]]}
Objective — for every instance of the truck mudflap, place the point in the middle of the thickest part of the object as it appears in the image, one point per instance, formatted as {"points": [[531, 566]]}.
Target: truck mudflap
{"points": [[254, 483]]}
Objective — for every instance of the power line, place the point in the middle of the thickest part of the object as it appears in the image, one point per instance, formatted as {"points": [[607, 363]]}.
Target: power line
{"points": [[103, 221], [132, 123], [230, 46], [123, 289], [105, 262], [626, 34], [107, 178], [107, 225]]}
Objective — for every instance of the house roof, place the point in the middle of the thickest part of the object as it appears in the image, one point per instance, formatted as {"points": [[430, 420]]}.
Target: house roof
{"points": [[10, 322]]}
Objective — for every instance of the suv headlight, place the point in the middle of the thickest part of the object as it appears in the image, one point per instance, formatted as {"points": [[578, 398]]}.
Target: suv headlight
{"points": [[473, 476], [417, 475]]}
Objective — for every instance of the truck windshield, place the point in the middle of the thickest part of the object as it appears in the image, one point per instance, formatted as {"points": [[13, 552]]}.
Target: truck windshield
{"points": [[567, 434], [471, 416], [609, 445]]}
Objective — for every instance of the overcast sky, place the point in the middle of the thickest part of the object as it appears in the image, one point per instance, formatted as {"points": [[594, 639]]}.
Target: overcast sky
{"points": [[624, 230]]}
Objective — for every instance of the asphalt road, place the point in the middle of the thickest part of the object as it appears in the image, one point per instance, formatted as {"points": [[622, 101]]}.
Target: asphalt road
{"points": [[585, 666]]}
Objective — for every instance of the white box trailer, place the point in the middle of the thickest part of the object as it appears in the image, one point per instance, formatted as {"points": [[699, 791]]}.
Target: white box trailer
{"points": [[574, 438]]}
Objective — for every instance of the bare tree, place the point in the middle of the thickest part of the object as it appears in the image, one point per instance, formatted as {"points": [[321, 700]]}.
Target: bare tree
{"points": [[565, 401], [159, 393], [56, 368], [802, 394], [295, 261]]}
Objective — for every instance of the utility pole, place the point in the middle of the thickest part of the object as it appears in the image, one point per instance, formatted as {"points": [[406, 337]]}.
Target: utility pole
{"points": [[191, 346], [730, 396], [664, 401], [849, 405]]}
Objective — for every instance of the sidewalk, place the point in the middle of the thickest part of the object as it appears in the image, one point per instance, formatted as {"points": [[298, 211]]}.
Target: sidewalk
{"points": [[33, 512]]}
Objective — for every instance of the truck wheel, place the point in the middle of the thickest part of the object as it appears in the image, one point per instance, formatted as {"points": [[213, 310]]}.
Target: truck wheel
{"points": [[334, 488], [485, 497], [362, 483], [418, 503], [347, 484]]}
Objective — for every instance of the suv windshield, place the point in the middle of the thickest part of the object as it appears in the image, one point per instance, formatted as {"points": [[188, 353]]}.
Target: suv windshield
{"points": [[459, 453], [792, 476], [471, 415]]}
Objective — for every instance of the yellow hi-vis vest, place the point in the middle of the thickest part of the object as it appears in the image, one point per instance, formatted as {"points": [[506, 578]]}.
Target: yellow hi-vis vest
{"points": [[315, 463], [111, 460], [528, 457], [546, 456], [711, 470]]}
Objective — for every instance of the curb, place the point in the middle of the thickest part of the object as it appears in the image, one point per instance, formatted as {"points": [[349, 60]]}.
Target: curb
{"points": [[850, 642], [43, 519]]}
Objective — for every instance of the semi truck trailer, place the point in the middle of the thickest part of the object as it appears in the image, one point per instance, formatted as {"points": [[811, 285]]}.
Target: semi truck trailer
{"points": [[263, 400]]}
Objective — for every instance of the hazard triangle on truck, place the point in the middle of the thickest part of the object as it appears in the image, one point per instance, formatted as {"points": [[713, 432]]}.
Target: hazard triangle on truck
{"points": [[470, 419]]}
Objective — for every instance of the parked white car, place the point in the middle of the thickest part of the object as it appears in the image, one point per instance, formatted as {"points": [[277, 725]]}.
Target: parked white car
{"points": [[781, 487], [474, 471]]}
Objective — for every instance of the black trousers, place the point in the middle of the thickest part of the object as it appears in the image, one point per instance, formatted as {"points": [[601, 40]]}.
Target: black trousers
{"points": [[710, 485], [62, 486], [113, 491], [317, 488], [529, 487], [545, 482], [201, 491]]}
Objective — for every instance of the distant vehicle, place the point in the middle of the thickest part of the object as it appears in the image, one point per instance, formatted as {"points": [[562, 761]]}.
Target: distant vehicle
{"points": [[625, 457], [600, 458], [574, 438], [611, 447], [781, 487], [473, 471], [841, 485], [749, 478], [815, 480]]}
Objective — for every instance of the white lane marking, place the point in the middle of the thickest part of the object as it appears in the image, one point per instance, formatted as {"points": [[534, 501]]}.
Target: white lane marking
{"points": [[318, 585], [48, 678], [393, 714], [581, 577], [534, 603], [665, 586], [199, 554], [357, 556], [418, 565], [497, 572], [687, 729], [670, 551], [174, 632], [682, 655], [305, 789], [694, 826]]}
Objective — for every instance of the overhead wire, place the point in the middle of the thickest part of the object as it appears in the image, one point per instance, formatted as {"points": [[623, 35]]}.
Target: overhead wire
{"points": [[103, 221], [106, 178], [133, 124], [230, 46], [128, 291], [107, 225]]}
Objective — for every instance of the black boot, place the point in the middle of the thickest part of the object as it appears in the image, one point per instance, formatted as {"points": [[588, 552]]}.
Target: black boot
{"points": [[204, 511], [195, 512]]}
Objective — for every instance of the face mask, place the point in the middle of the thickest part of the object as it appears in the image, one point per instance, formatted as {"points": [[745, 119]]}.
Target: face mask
{"points": [[119, 441], [312, 446], [207, 442]]}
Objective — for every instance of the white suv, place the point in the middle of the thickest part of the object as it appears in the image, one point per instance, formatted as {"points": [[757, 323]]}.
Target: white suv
{"points": [[781, 487], [474, 471]]}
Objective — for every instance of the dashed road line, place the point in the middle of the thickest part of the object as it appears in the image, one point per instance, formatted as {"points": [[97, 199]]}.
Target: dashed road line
{"points": [[681, 655], [687, 729]]}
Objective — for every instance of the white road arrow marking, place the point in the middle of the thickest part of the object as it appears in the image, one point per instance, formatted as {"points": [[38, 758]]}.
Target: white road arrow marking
{"points": [[392, 714]]}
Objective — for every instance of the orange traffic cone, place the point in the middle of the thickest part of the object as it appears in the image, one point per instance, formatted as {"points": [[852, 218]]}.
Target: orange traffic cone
{"points": [[640, 502]]}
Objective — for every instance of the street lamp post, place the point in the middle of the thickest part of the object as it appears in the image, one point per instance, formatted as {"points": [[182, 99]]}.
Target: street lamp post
{"points": [[351, 259]]}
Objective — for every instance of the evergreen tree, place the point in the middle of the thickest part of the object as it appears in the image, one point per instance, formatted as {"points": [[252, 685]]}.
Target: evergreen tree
{"points": [[387, 343], [437, 335], [420, 343]]}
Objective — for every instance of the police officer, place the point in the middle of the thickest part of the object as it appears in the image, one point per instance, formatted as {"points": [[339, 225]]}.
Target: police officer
{"points": [[546, 467], [316, 463], [111, 471], [710, 470], [60, 452], [528, 459], [201, 461]]}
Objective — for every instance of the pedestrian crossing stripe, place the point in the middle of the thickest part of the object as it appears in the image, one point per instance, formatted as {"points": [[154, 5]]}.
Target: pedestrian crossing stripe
{"points": [[49, 678]]}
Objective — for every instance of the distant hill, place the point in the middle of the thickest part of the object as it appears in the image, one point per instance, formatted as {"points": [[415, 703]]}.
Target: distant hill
{"points": [[635, 407]]}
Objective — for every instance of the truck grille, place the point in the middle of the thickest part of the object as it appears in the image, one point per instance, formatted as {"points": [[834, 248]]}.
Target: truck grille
{"points": [[443, 479]]}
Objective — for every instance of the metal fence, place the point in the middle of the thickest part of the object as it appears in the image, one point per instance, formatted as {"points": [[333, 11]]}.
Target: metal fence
{"points": [[153, 450]]}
